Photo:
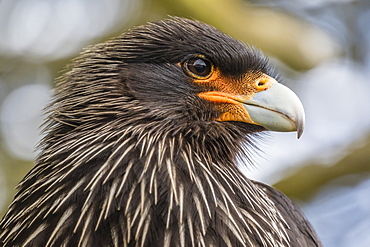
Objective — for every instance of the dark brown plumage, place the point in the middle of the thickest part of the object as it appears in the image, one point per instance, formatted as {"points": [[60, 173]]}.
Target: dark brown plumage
{"points": [[141, 142]]}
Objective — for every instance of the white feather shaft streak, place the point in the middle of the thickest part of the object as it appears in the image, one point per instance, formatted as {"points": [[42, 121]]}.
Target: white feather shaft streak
{"points": [[145, 230], [117, 163], [143, 218], [111, 197], [58, 228], [172, 175], [201, 214], [105, 166], [39, 229], [70, 193], [203, 195], [190, 227]]}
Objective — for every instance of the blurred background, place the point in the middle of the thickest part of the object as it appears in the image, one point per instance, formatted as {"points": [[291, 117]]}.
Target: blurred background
{"points": [[321, 48]]}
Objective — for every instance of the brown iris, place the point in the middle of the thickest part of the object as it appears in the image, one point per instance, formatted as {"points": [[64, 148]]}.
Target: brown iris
{"points": [[198, 67]]}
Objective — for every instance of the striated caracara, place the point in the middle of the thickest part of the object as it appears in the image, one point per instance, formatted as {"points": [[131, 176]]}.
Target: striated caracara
{"points": [[141, 142]]}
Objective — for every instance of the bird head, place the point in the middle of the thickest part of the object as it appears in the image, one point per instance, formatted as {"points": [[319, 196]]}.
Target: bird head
{"points": [[180, 71], [141, 141]]}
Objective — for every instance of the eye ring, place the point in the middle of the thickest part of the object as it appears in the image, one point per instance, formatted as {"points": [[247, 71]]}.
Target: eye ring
{"points": [[198, 67]]}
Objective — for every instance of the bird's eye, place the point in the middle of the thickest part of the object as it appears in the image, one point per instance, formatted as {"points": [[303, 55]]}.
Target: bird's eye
{"points": [[198, 67]]}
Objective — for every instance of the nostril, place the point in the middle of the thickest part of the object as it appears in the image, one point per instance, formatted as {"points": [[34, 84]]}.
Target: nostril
{"points": [[262, 84]]}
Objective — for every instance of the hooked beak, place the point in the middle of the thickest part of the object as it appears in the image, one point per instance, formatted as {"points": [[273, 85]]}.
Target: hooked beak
{"points": [[273, 106], [278, 109]]}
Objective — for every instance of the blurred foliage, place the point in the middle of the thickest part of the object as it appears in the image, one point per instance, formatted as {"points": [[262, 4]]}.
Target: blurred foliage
{"points": [[14, 170], [307, 180]]}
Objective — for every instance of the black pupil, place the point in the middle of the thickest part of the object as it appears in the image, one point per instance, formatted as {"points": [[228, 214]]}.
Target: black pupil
{"points": [[199, 66]]}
